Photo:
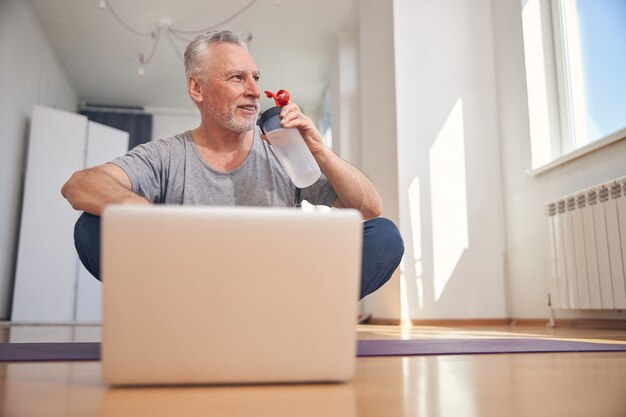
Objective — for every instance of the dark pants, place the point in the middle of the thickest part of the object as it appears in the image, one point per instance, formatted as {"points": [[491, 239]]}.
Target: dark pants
{"points": [[382, 249]]}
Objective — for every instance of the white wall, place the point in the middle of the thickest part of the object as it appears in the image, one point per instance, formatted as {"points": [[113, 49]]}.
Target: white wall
{"points": [[458, 129], [345, 98], [527, 255], [451, 204], [378, 128], [167, 122], [30, 75], [429, 142]]}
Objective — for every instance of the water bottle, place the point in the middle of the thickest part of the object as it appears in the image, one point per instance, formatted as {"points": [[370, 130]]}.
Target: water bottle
{"points": [[290, 149]]}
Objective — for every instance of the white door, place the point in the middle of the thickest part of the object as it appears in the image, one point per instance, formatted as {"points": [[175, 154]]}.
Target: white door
{"points": [[103, 145], [47, 268]]}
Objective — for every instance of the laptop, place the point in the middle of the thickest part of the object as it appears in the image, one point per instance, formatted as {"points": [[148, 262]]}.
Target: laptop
{"points": [[238, 295]]}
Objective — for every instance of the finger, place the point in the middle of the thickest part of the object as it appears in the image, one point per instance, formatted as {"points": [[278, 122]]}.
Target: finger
{"points": [[294, 115], [291, 114], [292, 121], [289, 108], [299, 123]]}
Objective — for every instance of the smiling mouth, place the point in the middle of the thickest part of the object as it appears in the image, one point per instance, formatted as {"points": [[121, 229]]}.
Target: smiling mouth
{"points": [[248, 107]]}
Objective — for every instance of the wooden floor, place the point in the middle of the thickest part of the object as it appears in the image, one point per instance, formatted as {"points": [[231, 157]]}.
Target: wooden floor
{"points": [[556, 384]]}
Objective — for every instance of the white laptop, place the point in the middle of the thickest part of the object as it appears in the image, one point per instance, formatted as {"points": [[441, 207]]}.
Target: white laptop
{"points": [[208, 295]]}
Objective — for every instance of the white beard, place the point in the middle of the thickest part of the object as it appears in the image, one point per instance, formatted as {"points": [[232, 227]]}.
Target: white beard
{"points": [[228, 120]]}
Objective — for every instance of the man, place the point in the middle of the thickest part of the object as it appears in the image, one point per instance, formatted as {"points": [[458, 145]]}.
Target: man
{"points": [[226, 162]]}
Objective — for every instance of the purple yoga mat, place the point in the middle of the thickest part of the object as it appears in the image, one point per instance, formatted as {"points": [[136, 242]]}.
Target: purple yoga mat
{"points": [[478, 346], [90, 351], [34, 352]]}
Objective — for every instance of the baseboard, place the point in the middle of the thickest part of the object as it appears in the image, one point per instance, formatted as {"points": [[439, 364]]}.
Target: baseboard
{"points": [[6, 323], [529, 322], [608, 324], [443, 322]]}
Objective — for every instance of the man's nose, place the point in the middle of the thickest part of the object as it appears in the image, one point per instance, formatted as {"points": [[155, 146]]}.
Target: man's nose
{"points": [[252, 89]]}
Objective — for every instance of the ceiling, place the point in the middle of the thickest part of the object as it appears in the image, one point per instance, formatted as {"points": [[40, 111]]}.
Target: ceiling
{"points": [[292, 41]]}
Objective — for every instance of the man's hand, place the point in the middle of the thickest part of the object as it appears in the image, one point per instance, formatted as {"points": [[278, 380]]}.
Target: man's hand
{"points": [[292, 117]]}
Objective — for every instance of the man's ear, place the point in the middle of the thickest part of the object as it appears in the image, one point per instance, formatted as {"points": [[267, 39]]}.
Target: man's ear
{"points": [[194, 87]]}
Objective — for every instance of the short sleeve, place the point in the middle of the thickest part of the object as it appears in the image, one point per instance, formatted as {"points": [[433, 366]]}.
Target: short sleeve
{"points": [[144, 167]]}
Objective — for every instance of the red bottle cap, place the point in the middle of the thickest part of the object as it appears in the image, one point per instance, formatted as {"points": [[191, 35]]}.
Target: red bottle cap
{"points": [[281, 98]]}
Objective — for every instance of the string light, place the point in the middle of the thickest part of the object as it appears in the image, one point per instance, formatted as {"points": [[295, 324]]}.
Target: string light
{"points": [[166, 26], [140, 71]]}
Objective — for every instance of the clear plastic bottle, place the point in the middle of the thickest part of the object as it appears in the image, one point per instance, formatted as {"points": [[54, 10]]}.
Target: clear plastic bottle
{"points": [[290, 149]]}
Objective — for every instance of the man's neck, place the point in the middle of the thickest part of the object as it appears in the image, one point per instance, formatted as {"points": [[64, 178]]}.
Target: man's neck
{"points": [[218, 139], [221, 149]]}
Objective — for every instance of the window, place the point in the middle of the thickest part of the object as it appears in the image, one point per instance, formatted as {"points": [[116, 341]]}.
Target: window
{"points": [[575, 58]]}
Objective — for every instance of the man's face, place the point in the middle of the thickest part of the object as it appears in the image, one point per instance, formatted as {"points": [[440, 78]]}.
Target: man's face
{"points": [[231, 93]]}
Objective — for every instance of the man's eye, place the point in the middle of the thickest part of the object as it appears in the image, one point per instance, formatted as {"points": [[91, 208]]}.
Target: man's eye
{"points": [[237, 77], [256, 78]]}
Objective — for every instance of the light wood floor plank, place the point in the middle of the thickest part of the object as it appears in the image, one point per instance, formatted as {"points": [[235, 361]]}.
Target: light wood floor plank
{"points": [[559, 384]]}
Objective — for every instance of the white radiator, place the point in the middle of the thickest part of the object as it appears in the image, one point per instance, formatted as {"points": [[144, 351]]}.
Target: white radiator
{"points": [[587, 239]]}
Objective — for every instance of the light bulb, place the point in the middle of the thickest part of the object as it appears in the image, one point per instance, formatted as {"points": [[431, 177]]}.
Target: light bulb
{"points": [[140, 72], [102, 5]]}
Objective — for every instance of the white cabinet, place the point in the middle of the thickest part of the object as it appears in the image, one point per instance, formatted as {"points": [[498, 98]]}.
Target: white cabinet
{"points": [[50, 283]]}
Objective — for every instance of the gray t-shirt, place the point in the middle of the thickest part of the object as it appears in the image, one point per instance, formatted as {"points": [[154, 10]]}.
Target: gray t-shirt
{"points": [[171, 171]]}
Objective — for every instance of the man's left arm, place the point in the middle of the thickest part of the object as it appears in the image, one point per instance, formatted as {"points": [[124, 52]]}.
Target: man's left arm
{"points": [[353, 188]]}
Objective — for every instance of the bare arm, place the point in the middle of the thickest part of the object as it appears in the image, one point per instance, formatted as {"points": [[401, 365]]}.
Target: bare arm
{"points": [[353, 188], [92, 189]]}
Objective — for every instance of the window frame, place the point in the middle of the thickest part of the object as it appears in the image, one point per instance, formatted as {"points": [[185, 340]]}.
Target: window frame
{"points": [[563, 107]]}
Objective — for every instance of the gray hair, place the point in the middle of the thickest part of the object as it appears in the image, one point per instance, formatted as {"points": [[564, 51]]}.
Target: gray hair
{"points": [[197, 55]]}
